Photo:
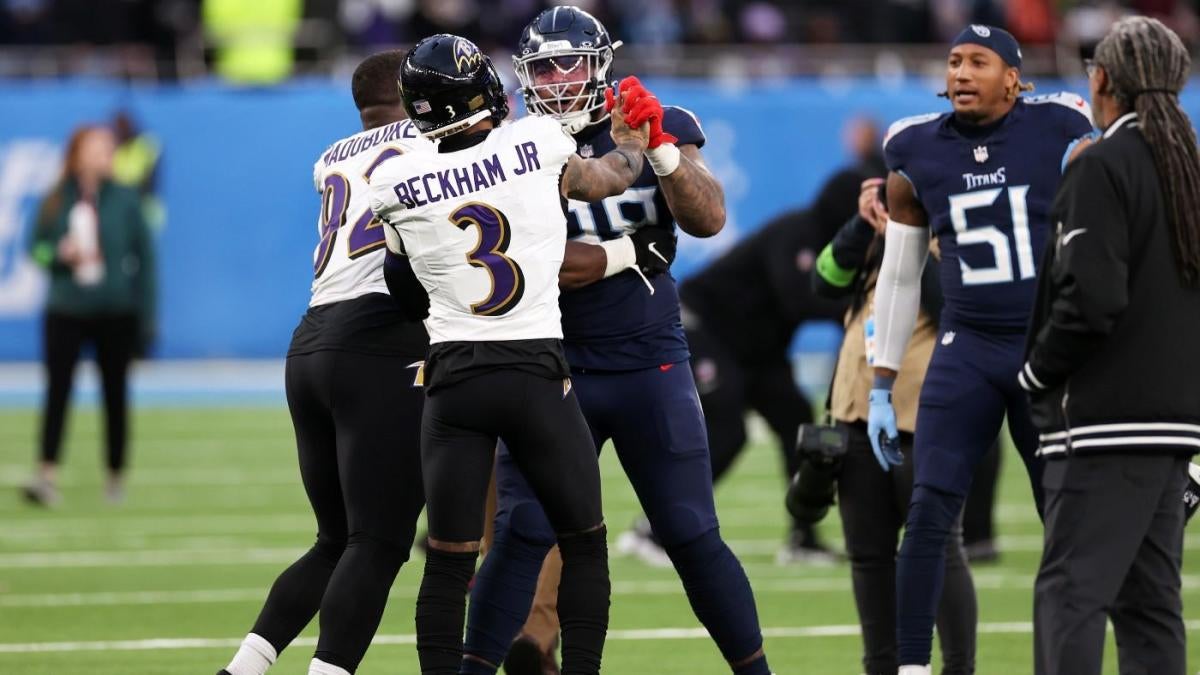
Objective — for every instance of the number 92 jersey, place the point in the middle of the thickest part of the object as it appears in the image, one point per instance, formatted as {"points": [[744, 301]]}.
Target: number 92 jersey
{"points": [[484, 229], [987, 193], [348, 260]]}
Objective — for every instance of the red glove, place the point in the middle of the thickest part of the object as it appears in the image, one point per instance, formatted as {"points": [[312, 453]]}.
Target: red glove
{"points": [[640, 106]]}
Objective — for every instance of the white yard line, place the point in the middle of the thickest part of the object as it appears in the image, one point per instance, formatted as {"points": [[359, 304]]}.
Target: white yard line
{"points": [[984, 581], [230, 554], [158, 644]]}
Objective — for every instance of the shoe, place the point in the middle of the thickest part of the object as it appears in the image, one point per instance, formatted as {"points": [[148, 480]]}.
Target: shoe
{"points": [[641, 543], [42, 493], [525, 657], [982, 551], [805, 550], [224, 672], [114, 490]]}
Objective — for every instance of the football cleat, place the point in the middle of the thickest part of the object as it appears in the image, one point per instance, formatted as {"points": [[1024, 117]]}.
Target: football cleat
{"points": [[42, 493], [525, 657], [641, 543]]}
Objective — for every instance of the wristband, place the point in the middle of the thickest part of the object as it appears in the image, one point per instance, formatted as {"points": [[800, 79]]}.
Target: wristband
{"points": [[620, 255], [664, 159], [884, 382]]}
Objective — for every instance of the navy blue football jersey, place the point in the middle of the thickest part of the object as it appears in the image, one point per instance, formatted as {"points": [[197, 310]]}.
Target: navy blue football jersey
{"points": [[987, 193], [615, 323]]}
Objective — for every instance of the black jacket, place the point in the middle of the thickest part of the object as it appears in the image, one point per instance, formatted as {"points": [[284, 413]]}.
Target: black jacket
{"points": [[1113, 357]]}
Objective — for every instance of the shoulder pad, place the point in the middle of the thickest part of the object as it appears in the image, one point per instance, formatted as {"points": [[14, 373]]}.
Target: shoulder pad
{"points": [[684, 125], [899, 126], [1066, 99]]}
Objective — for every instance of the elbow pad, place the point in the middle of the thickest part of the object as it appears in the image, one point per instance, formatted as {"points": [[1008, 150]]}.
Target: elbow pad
{"points": [[898, 291]]}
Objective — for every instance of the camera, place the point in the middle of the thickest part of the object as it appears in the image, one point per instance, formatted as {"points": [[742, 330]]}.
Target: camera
{"points": [[1191, 494], [812, 490]]}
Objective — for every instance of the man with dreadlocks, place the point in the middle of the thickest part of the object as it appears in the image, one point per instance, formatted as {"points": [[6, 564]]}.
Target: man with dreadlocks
{"points": [[1113, 370], [981, 180]]}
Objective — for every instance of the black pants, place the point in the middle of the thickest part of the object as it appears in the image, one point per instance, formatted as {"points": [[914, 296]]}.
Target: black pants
{"points": [[541, 424], [114, 338], [729, 388], [1114, 546], [357, 421], [874, 506], [545, 432]]}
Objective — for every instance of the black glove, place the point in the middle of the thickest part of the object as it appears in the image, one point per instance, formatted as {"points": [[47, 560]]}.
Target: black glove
{"points": [[654, 249]]}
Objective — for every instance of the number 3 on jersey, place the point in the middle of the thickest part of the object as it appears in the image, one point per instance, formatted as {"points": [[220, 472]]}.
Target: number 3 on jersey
{"points": [[367, 233], [1002, 271], [508, 281]]}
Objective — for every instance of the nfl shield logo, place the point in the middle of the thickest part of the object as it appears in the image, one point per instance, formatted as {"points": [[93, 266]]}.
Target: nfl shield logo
{"points": [[423, 107], [981, 154], [586, 151]]}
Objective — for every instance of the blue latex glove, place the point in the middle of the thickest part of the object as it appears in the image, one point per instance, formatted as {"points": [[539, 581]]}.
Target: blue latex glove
{"points": [[881, 429]]}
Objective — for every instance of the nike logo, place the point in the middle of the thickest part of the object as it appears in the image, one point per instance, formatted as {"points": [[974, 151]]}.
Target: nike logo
{"points": [[653, 248], [1072, 234]]}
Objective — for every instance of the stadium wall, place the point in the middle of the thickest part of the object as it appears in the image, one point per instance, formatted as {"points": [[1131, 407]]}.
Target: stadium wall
{"points": [[234, 257]]}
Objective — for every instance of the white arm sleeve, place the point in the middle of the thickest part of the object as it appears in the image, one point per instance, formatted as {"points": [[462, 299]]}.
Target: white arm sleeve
{"points": [[898, 291]]}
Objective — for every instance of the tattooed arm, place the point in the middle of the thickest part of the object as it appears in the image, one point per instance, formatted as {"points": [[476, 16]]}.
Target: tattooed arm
{"points": [[590, 180], [694, 195]]}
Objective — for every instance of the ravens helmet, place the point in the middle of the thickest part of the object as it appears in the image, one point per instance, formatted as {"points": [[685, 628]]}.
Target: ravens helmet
{"points": [[563, 62], [448, 85]]}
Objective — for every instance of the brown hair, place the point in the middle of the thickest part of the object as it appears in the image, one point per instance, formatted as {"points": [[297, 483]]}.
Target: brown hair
{"points": [[52, 205], [1147, 65]]}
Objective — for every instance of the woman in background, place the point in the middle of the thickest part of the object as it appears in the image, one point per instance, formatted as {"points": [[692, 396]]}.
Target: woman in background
{"points": [[92, 239]]}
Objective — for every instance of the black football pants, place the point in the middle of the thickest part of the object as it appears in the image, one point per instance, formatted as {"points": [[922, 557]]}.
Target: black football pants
{"points": [[542, 426], [1113, 550], [357, 421]]}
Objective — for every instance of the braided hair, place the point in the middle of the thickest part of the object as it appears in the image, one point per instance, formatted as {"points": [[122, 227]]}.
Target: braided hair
{"points": [[1147, 65]]}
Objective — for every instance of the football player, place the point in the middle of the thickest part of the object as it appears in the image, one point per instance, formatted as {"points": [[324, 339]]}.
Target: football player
{"points": [[980, 179], [482, 223], [353, 389], [627, 352]]}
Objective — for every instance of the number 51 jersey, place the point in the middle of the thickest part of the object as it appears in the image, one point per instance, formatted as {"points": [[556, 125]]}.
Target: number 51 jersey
{"points": [[987, 193], [348, 260], [484, 229]]}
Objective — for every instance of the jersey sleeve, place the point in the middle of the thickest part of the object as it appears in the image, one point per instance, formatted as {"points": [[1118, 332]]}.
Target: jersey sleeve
{"points": [[317, 172], [1073, 111], [381, 197], [684, 125]]}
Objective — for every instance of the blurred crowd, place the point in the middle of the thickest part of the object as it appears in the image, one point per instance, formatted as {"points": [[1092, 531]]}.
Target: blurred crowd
{"points": [[173, 38]]}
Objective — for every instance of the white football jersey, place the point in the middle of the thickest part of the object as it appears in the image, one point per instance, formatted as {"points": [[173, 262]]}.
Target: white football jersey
{"points": [[484, 230], [348, 260]]}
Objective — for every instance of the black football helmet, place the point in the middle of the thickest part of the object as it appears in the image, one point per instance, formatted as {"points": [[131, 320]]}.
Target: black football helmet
{"points": [[447, 85], [563, 61]]}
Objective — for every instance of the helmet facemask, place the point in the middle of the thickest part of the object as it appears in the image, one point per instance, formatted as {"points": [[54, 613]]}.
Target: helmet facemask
{"points": [[565, 82]]}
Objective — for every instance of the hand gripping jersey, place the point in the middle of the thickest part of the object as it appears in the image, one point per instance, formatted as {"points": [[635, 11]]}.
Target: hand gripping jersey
{"points": [[615, 323], [987, 193], [484, 230], [348, 260]]}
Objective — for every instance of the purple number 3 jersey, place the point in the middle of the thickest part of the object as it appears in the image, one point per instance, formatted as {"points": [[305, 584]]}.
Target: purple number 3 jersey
{"points": [[617, 324], [987, 193]]}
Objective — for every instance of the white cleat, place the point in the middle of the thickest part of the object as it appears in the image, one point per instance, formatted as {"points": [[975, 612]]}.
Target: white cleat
{"points": [[915, 670], [640, 543]]}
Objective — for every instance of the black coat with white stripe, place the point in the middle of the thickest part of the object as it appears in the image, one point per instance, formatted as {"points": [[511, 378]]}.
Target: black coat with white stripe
{"points": [[1113, 357]]}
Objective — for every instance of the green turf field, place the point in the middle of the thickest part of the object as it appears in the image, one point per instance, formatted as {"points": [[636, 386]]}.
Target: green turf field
{"points": [[169, 582]]}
